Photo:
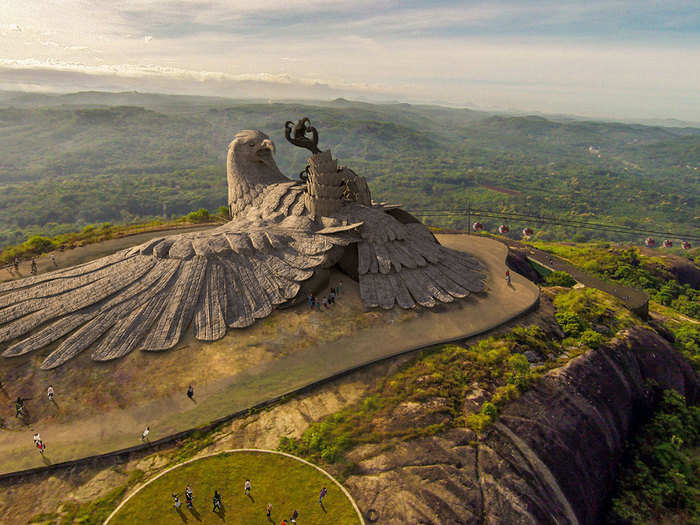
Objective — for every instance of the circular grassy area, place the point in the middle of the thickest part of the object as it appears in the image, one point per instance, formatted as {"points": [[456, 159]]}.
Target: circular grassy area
{"points": [[285, 482]]}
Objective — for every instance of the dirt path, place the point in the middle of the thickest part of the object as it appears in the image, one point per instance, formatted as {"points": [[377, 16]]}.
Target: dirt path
{"points": [[288, 350]]}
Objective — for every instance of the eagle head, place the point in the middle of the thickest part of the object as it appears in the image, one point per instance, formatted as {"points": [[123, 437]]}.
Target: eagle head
{"points": [[249, 166]]}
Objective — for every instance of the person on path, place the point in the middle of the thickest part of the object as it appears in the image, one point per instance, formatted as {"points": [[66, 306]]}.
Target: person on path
{"points": [[268, 511], [284, 522], [50, 392], [19, 407], [325, 303], [322, 495], [176, 501], [34, 268], [53, 259], [311, 301], [37, 438], [15, 263], [217, 501], [338, 287], [246, 487], [331, 296], [317, 303], [295, 515], [41, 446], [508, 277], [190, 392], [145, 433], [188, 496]]}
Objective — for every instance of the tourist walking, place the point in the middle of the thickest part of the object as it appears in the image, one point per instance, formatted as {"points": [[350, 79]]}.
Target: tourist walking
{"points": [[295, 515], [311, 301], [34, 269], [188, 496], [41, 446], [50, 393], [145, 433], [246, 487], [508, 277], [37, 438], [331, 296], [176, 502], [15, 263], [19, 407], [217, 501], [268, 511], [53, 259], [190, 392], [322, 495]]}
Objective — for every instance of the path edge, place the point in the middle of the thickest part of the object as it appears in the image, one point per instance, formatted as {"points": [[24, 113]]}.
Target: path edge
{"points": [[229, 451]]}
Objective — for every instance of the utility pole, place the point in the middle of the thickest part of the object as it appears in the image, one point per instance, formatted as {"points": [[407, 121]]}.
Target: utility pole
{"points": [[469, 217]]}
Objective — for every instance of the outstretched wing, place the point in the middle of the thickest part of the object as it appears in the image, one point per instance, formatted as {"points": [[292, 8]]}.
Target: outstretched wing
{"points": [[404, 264], [145, 297]]}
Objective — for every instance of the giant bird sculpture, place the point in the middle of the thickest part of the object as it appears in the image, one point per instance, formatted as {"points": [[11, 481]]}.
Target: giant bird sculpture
{"points": [[280, 234]]}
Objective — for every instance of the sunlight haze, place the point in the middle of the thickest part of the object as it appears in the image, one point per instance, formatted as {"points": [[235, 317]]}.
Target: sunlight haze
{"points": [[607, 59]]}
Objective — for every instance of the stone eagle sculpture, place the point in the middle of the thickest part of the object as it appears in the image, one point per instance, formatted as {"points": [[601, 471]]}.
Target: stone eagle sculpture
{"points": [[281, 232]]}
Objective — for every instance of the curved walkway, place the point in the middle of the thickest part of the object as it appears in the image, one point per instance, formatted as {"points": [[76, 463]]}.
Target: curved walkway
{"points": [[116, 432], [633, 298], [262, 451]]}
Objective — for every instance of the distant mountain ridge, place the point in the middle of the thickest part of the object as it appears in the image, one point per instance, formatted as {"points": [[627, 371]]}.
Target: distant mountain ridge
{"points": [[131, 156]]}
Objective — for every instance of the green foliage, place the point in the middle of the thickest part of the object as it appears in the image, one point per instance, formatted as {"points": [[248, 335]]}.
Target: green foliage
{"points": [[38, 245], [559, 278], [628, 266], [660, 476], [224, 212], [201, 215], [581, 311], [570, 322], [445, 374]]}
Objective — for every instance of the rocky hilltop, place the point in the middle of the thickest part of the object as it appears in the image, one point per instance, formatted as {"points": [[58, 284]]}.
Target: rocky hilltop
{"points": [[549, 459]]}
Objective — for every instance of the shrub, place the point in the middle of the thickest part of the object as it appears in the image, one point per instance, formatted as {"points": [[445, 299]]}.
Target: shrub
{"points": [[201, 215], [38, 244], [592, 338], [570, 323], [559, 278]]}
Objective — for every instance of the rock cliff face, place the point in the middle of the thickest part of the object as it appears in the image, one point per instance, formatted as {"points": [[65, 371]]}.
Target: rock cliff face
{"points": [[550, 459]]}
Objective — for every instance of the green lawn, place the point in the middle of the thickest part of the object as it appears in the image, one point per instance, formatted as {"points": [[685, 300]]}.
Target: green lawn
{"points": [[285, 482]]}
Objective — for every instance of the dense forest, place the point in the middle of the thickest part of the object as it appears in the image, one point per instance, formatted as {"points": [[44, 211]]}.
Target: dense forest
{"points": [[67, 161]]}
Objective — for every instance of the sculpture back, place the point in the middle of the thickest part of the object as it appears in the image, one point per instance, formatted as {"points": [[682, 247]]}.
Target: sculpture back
{"points": [[329, 187]]}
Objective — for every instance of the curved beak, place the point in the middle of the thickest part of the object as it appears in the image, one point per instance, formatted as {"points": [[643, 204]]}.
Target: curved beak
{"points": [[268, 145]]}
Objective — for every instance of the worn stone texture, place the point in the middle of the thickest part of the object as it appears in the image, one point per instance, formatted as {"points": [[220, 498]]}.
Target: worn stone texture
{"points": [[281, 233]]}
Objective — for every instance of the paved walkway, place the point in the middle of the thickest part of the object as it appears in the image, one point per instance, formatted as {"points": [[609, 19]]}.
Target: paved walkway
{"points": [[635, 299], [120, 428]]}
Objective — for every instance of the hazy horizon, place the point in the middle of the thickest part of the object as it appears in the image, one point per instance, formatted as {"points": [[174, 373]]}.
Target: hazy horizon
{"points": [[602, 59]]}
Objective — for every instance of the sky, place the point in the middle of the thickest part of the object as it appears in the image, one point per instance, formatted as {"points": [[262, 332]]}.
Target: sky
{"points": [[626, 59]]}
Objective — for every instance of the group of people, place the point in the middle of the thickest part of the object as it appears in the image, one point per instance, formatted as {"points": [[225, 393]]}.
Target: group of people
{"points": [[218, 505], [20, 411], [34, 268], [326, 301]]}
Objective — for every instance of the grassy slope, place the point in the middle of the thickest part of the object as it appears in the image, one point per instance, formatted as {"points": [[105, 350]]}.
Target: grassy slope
{"points": [[286, 483]]}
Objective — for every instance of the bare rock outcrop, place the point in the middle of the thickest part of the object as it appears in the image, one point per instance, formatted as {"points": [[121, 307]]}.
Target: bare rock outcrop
{"points": [[552, 456]]}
